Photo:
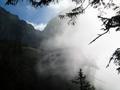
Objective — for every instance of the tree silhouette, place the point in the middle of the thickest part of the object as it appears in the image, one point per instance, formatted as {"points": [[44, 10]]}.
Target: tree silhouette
{"points": [[116, 59], [109, 23], [82, 82], [81, 6], [35, 3]]}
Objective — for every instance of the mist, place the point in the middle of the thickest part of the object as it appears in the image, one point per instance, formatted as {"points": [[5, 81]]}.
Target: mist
{"points": [[49, 59], [71, 42], [68, 49]]}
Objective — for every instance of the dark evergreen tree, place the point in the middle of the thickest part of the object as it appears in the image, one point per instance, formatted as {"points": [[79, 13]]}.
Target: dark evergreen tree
{"points": [[82, 82], [116, 59]]}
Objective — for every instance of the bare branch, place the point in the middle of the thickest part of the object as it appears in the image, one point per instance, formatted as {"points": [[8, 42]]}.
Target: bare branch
{"points": [[99, 35]]}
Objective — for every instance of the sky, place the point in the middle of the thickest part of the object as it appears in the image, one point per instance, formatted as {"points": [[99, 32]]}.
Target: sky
{"points": [[38, 17], [92, 58], [26, 12]]}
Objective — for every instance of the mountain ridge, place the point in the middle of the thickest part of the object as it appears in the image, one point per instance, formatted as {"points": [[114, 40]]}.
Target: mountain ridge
{"points": [[16, 30]]}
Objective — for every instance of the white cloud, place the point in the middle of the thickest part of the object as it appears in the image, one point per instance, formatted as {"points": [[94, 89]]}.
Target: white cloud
{"points": [[74, 41], [62, 5], [40, 26]]}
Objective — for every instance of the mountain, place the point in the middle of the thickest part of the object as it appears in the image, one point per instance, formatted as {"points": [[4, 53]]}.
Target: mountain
{"points": [[53, 28], [24, 66], [15, 30]]}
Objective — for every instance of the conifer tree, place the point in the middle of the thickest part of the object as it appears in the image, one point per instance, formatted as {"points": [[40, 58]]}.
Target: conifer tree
{"points": [[82, 82]]}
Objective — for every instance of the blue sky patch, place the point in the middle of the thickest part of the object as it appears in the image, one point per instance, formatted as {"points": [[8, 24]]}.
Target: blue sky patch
{"points": [[28, 13]]}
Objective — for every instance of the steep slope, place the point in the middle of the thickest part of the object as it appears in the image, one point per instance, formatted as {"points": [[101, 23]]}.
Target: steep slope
{"points": [[24, 66], [16, 30]]}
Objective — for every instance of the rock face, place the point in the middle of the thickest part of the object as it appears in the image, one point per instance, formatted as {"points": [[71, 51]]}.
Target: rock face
{"points": [[20, 56], [16, 30]]}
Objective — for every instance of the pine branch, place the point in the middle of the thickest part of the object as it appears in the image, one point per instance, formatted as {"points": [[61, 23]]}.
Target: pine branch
{"points": [[109, 62]]}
